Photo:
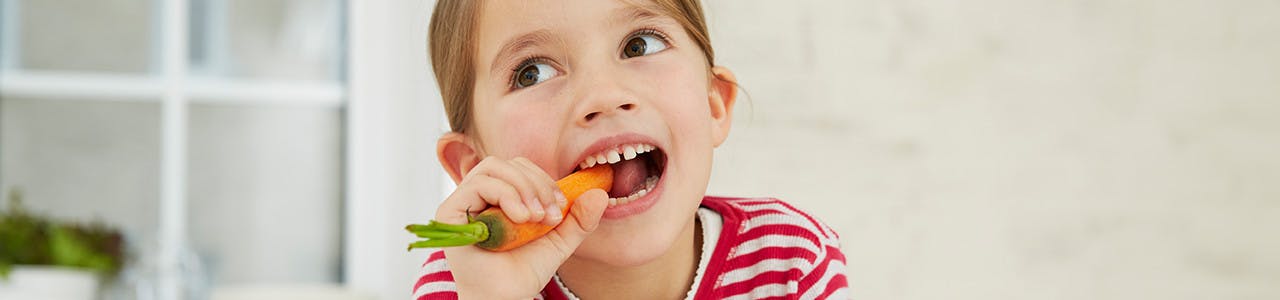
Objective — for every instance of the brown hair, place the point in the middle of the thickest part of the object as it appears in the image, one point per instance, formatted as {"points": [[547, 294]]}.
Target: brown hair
{"points": [[451, 42]]}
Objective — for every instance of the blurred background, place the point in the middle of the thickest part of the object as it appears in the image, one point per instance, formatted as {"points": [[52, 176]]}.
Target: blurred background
{"points": [[263, 149]]}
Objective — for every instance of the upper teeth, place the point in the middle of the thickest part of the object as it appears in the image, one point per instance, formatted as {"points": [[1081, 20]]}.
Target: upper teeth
{"points": [[615, 155]]}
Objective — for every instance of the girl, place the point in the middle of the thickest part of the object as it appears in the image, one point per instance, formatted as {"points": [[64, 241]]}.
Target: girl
{"points": [[535, 90]]}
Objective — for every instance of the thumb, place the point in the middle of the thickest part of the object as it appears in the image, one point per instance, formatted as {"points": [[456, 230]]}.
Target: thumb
{"points": [[547, 253], [583, 218]]}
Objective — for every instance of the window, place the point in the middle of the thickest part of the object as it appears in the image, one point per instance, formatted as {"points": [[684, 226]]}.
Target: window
{"points": [[238, 143], [210, 131]]}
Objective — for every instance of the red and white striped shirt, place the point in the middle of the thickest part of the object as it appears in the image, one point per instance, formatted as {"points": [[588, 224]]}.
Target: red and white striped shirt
{"points": [[759, 248]]}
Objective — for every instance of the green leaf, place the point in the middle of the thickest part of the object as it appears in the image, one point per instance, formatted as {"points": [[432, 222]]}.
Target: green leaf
{"points": [[5, 268], [71, 249]]}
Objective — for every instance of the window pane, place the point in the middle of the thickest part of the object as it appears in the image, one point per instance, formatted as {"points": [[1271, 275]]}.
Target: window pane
{"points": [[85, 35], [84, 160], [277, 39], [265, 191]]}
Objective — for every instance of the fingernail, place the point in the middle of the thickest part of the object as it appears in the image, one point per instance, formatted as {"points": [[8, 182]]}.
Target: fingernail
{"points": [[560, 200], [538, 210], [553, 213]]}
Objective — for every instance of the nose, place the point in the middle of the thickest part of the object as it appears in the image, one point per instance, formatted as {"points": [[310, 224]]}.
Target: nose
{"points": [[601, 100], [591, 116]]}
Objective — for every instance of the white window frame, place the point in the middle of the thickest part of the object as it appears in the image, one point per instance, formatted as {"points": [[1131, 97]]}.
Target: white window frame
{"points": [[380, 37]]}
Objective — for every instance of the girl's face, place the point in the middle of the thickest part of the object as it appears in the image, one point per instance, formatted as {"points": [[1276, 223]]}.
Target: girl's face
{"points": [[568, 83]]}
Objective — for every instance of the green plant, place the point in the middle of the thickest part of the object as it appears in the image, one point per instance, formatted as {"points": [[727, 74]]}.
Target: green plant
{"points": [[28, 239]]}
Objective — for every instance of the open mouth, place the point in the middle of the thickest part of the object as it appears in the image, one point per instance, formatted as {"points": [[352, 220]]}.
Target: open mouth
{"points": [[636, 170]]}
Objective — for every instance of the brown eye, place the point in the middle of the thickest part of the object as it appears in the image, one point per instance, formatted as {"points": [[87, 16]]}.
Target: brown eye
{"points": [[635, 47], [531, 74], [642, 45], [527, 76]]}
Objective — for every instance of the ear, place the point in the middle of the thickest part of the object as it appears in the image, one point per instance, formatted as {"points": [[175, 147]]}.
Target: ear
{"points": [[723, 94], [458, 154]]}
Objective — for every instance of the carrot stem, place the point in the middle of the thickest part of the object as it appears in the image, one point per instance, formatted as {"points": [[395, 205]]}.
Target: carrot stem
{"points": [[436, 234], [448, 235], [438, 243]]}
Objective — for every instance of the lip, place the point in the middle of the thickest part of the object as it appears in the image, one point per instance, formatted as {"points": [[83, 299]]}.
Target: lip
{"points": [[609, 143], [636, 206]]}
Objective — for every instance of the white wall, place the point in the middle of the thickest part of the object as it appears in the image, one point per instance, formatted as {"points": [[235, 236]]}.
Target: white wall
{"points": [[1018, 149], [394, 119]]}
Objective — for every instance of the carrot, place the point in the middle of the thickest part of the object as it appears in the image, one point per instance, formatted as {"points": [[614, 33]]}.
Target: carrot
{"points": [[491, 230]]}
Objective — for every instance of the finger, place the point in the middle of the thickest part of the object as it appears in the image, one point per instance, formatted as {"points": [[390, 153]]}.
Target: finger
{"points": [[493, 190], [465, 199], [542, 195], [482, 191], [548, 193], [588, 214], [514, 174], [486, 163], [583, 219]]}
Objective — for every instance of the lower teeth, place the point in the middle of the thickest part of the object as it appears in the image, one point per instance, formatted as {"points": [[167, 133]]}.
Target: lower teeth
{"points": [[649, 183]]}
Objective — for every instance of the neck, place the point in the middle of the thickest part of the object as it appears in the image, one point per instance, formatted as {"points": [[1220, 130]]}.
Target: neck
{"points": [[596, 280]]}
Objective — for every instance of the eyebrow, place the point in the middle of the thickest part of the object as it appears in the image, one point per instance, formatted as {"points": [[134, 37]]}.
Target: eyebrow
{"points": [[633, 13], [520, 43]]}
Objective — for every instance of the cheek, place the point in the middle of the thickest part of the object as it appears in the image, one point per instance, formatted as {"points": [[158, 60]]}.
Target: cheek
{"points": [[527, 131], [682, 97]]}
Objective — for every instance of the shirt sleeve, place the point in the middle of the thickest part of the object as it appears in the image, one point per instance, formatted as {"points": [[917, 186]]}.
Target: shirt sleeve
{"points": [[776, 250], [435, 281], [826, 279]]}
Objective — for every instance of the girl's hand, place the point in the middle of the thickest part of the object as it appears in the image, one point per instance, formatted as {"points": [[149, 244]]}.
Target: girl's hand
{"points": [[526, 194]]}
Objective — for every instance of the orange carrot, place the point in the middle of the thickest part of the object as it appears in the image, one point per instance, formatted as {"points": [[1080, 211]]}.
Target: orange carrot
{"points": [[491, 230]]}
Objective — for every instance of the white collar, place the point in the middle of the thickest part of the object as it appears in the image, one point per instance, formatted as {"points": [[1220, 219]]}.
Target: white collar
{"points": [[712, 224]]}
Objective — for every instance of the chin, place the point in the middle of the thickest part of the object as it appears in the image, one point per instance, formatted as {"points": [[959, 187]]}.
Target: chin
{"points": [[622, 253], [639, 239]]}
